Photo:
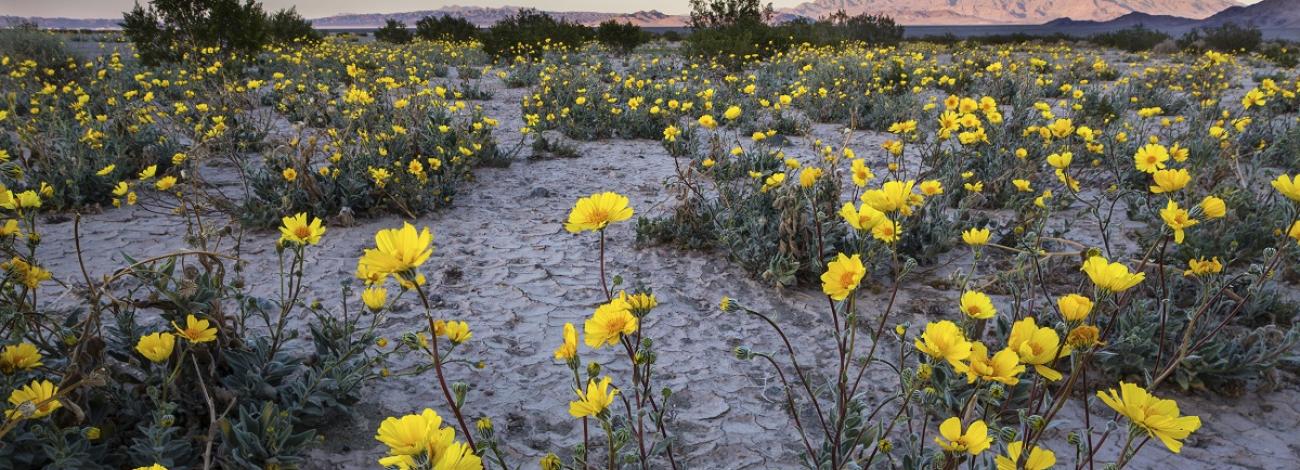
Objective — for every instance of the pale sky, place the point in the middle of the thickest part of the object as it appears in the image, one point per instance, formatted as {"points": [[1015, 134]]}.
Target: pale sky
{"points": [[319, 8]]}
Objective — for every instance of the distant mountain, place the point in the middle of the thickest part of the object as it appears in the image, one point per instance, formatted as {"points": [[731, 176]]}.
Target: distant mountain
{"points": [[1264, 15], [954, 12], [486, 16], [65, 23], [1127, 21]]}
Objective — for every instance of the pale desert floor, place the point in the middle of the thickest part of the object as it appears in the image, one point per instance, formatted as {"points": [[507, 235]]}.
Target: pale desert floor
{"points": [[505, 264]]}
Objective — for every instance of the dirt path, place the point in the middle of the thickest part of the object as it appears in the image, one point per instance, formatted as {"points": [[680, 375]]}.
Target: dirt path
{"points": [[505, 264]]}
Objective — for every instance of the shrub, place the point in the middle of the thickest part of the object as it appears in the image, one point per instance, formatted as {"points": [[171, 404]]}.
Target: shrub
{"points": [[840, 27], [164, 30], [621, 37], [526, 31], [1137, 38], [287, 25], [445, 28], [1226, 38], [394, 32]]}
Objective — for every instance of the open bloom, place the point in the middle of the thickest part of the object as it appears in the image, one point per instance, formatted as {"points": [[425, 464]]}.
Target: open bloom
{"points": [[1003, 367], [1168, 181], [1038, 458], [298, 230], [610, 322], [1202, 266], [1151, 157], [33, 401], [1159, 417], [974, 441], [597, 211], [397, 250], [412, 436], [1177, 219], [975, 236], [594, 400], [19, 356], [863, 219], [842, 276], [1113, 277], [892, 196], [1289, 186], [156, 347], [977, 305], [944, 340], [196, 330], [1037, 346]]}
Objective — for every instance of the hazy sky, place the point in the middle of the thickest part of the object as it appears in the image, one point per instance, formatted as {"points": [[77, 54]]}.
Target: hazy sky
{"points": [[319, 8]]}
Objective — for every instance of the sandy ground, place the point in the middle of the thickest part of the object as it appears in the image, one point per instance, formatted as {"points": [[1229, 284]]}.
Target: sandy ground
{"points": [[522, 277]]}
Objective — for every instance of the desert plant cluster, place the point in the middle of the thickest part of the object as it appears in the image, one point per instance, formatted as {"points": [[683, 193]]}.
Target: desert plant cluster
{"points": [[1101, 232]]}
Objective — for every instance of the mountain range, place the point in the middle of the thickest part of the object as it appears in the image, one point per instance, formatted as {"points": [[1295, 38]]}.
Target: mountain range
{"points": [[1064, 13]]}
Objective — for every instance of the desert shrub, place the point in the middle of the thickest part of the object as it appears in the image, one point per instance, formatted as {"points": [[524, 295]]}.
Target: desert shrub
{"points": [[166, 29], [530, 32], [1228, 37], [1134, 39], [621, 37], [1282, 54], [446, 28], [394, 32], [840, 27], [286, 25]]}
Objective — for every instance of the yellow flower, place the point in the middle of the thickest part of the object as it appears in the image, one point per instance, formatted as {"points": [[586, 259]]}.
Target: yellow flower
{"points": [[1213, 207], [458, 456], [33, 401], [156, 347], [196, 330], [1289, 186], [1037, 346], [1022, 185], [809, 176], [569, 348], [887, 231], [671, 133], [640, 302], [105, 171], [944, 340], [1254, 97], [374, 298], [707, 121], [1061, 128], [974, 441], [1061, 160], [415, 434], [1151, 157], [732, 113], [931, 187], [165, 183], [19, 356], [1294, 232], [1159, 417], [975, 236], [864, 219], [1177, 219], [297, 230], [594, 400], [977, 305], [892, 196], [1038, 459], [1202, 266], [1074, 307], [152, 467], [842, 276], [610, 322], [1168, 181], [861, 174], [397, 250], [1003, 367], [455, 331], [1083, 336], [1112, 277], [148, 172], [597, 211]]}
